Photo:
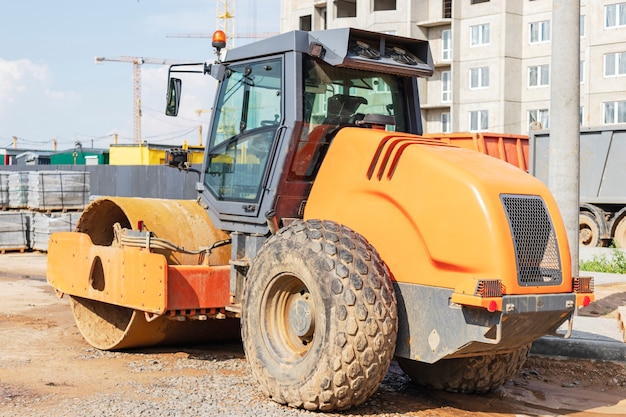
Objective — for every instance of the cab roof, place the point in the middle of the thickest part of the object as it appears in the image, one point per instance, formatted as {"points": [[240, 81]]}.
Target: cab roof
{"points": [[347, 47]]}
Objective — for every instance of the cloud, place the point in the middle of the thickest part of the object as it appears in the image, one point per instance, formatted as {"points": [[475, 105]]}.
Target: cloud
{"points": [[28, 99], [23, 81], [23, 78], [15, 78]]}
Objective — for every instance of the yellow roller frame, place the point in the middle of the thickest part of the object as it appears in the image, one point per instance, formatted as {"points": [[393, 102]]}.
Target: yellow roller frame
{"points": [[88, 263]]}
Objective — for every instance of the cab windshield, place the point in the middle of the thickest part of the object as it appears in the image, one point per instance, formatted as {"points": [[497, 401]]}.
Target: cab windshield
{"points": [[249, 113]]}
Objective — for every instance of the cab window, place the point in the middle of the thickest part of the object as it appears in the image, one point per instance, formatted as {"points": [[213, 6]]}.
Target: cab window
{"points": [[336, 97], [249, 113]]}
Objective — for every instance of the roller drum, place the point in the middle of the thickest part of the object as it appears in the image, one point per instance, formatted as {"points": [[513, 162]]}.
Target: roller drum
{"points": [[184, 223]]}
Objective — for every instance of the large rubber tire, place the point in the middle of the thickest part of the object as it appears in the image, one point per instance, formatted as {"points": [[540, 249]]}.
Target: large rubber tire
{"points": [[620, 234], [319, 318], [471, 375], [588, 230]]}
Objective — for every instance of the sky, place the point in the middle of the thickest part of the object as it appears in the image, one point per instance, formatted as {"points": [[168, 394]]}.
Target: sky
{"points": [[51, 87]]}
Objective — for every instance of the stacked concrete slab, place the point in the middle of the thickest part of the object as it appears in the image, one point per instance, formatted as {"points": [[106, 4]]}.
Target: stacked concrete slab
{"points": [[36, 204], [58, 190], [14, 231], [4, 190], [18, 190], [44, 224]]}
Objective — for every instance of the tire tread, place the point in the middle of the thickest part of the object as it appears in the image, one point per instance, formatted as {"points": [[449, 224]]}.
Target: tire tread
{"points": [[364, 320]]}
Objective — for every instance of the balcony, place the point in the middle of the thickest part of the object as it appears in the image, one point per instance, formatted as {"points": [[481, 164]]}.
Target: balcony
{"points": [[435, 23]]}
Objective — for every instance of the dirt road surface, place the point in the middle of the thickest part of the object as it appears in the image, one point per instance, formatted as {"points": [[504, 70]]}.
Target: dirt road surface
{"points": [[46, 369]]}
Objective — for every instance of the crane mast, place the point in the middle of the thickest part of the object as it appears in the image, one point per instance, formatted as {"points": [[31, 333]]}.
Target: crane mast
{"points": [[137, 64], [226, 20], [226, 23]]}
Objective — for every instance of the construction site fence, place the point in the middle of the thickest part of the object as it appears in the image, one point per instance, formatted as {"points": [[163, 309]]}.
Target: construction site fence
{"points": [[148, 181]]}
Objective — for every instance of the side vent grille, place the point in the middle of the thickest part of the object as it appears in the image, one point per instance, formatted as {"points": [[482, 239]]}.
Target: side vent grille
{"points": [[489, 288], [536, 248]]}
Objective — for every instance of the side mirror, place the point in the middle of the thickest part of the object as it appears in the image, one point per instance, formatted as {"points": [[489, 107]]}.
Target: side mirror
{"points": [[173, 96]]}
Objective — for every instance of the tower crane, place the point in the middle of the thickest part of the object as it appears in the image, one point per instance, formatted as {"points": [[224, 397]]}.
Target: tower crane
{"points": [[226, 23], [137, 63], [226, 20]]}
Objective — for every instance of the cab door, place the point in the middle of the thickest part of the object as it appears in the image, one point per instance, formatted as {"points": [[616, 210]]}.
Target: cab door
{"points": [[248, 114]]}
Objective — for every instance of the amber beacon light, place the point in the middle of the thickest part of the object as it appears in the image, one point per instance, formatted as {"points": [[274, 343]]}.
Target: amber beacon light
{"points": [[219, 39]]}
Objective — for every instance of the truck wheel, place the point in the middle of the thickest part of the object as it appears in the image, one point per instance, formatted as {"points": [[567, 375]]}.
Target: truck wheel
{"points": [[589, 231], [620, 234], [471, 375], [319, 319]]}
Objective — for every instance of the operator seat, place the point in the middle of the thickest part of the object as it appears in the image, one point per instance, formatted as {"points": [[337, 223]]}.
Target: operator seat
{"points": [[341, 111]]}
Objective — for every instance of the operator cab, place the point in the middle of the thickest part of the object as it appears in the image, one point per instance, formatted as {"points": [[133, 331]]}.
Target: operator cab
{"points": [[279, 104]]}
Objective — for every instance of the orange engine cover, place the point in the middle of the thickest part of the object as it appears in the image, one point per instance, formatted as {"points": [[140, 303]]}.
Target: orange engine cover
{"points": [[433, 211]]}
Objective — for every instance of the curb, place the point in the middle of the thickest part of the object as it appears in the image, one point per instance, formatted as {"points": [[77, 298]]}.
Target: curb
{"points": [[580, 349]]}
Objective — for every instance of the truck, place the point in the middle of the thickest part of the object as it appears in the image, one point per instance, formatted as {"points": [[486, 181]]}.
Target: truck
{"points": [[602, 218], [328, 234], [507, 147]]}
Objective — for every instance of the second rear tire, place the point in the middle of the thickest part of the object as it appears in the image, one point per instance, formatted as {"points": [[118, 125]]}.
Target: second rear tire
{"points": [[620, 234], [471, 375]]}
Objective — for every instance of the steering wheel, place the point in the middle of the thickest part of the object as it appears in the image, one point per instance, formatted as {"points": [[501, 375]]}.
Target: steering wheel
{"points": [[260, 139], [270, 122]]}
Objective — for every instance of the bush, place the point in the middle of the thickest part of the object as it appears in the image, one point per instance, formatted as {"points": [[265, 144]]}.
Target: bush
{"points": [[616, 264]]}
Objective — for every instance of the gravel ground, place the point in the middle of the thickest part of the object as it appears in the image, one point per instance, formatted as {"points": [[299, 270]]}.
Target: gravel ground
{"points": [[47, 369], [213, 383]]}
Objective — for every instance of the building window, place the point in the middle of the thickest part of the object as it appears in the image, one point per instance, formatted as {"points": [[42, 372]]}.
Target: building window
{"points": [[479, 35], [345, 8], [445, 123], [446, 45], [305, 22], [478, 1], [447, 9], [539, 32], [614, 15], [582, 26], [614, 112], [539, 76], [381, 5], [321, 15], [582, 72], [446, 87], [615, 64], [581, 115], [538, 119], [478, 120], [479, 77]]}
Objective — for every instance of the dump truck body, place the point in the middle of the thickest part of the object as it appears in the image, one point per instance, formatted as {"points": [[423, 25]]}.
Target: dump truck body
{"points": [[352, 238], [504, 146], [602, 172]]}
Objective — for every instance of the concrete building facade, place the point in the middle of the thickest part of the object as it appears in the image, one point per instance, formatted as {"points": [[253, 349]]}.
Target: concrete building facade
{"points": [[492, 57]]}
